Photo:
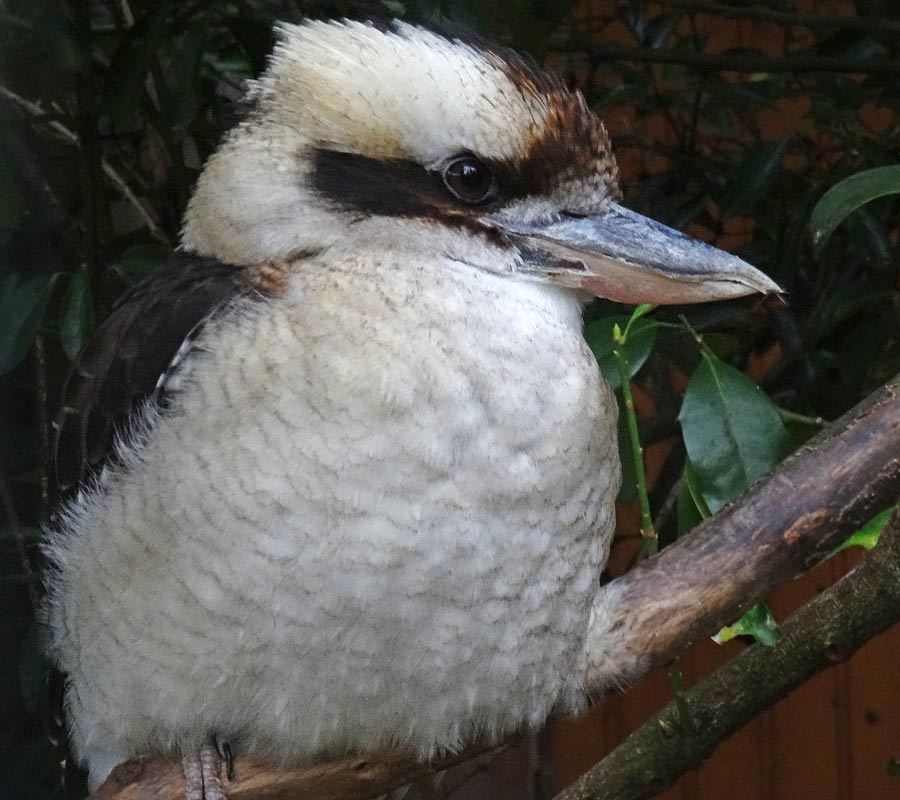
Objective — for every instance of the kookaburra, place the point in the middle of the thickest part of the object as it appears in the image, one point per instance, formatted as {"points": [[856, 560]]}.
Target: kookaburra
{"points": [[346, 467]]}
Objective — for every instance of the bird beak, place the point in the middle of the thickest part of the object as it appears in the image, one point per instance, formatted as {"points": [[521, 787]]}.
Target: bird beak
{"points": [[623, 256]]}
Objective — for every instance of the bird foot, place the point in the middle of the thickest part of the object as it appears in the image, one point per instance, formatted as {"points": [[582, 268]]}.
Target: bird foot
{"points": [[227, 755], [201, 773]]}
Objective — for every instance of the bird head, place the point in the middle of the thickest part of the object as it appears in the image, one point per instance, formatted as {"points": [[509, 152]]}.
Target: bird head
{"points": [[364, 137]]}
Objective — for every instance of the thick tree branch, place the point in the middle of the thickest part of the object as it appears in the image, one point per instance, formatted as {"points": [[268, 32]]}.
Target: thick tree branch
{"points": [[827, 630], [783, 526], [352, 778]]}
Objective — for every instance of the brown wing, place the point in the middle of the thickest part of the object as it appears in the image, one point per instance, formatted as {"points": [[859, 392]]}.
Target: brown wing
{"points": [[129, 355], [126, 363]]}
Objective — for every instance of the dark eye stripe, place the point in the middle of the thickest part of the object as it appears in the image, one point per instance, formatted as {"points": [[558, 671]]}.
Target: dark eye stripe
{"points": [[395, 187], [390, 187], [404, 188]]}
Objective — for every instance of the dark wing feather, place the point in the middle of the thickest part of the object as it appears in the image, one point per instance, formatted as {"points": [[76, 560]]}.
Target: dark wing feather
{"points": [[122, 365]]}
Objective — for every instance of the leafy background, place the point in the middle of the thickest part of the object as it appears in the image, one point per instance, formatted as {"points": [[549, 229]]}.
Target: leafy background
{"points": [[730, 121]]}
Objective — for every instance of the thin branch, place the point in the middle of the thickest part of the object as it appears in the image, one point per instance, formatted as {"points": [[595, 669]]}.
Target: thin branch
{"points": [[792, 416], [876, 26], [59, 130], [19, 537], [42, 405], [637, 452], [15, 22], [668, 505], [62, 234], [828, 630], [64, 134], [740, 62]]}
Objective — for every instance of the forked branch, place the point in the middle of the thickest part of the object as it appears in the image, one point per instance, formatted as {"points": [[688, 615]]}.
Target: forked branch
{"points": [[827, 630]]}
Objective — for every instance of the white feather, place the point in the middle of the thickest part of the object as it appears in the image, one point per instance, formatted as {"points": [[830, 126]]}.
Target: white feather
{"points": [[361, 524]]}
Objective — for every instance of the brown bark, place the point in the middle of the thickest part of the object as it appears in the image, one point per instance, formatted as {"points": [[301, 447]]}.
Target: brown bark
{"points": [[786, 523], [351, 778], [826, 631]]}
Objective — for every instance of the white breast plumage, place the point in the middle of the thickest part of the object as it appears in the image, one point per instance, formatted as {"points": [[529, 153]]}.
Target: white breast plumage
{"points": [[278, 582]]}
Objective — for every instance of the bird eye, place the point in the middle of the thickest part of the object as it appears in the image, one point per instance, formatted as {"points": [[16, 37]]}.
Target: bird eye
{"points": [[467, 179]]}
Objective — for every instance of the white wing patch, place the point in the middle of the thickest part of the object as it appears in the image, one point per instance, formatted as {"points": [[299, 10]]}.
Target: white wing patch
{"points": [[172, 378]]}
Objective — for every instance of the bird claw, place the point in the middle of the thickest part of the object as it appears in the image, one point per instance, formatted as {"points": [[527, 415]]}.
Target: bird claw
{"points": [[201, 774], [223, 747]]}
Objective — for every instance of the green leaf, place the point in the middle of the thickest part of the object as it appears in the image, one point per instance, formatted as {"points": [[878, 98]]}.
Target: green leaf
{"points": [[842, 199], [532, 21], [867, 536], [183, 88], [733, 432], [253, 32], [77, 321], [130, 66], [33, 669], [139, 261], [637, 347], [67, 48], [641, 311], [691, 509], [658, 31], [22, 306], [755, 173], [870, 234], [12, 205], [473, 14], [757, 622], [723, 345]]}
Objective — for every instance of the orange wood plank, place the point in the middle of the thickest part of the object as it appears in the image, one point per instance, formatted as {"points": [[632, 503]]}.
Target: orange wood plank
{"points": [[875, 717]]}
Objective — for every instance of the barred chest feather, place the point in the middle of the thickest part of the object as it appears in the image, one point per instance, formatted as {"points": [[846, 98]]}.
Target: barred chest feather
{"points": [[375, 514]]}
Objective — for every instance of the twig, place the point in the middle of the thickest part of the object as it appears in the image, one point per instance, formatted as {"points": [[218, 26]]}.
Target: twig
{"points": [[740, 62], [15, 22], [61, 132], [668, 504], [790, 18], [19, 538], [42, 404], [803, 419], [637, 452], [826, 631]]}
